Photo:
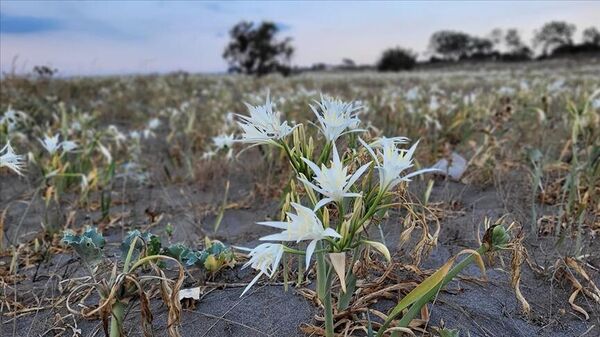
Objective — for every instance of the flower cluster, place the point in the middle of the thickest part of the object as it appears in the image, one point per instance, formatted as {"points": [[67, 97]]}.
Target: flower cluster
{"points": [[11, 160], [52, 144], [263, 126], [335, 184]]}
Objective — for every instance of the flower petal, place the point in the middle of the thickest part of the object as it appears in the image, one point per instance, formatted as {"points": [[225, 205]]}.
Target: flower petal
{"points": [[254, 280], [310, 249], [322, 203]]}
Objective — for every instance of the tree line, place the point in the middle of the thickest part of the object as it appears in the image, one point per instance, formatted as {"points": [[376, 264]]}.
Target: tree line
{"points": [[255, 49]]}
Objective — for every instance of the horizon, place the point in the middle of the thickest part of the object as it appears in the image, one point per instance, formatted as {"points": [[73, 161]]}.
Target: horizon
{"points": [[106, 38]]}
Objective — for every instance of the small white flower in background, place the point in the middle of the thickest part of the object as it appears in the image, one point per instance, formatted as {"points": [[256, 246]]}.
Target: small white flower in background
{"points": [[393, 141], [394, 162], [335, 116], [68, 146], [135, 135], [263, 126], [13, 119], [333, 182], [223, 141], [469, 98], [117, 135], [432, 122], [154, 123], [304, 225], [412, 94], [433, 103], [76, 126], [51, 144], [208, 154], [557, 85], [506, 91], [105, 152], [11, 160], [264, 258], [147, 133], [596, 103]]}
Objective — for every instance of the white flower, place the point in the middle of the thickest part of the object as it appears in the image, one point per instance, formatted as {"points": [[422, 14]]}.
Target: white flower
{"points": [[333, 182], [263, 126], [68, 146], [148, 133], [412, 94], [76, 126], [433, 103], [135, 135], [11, 160], [105, 152], [394, 161], [265, 258], [51, 144], [13, 119], [506, 91], [117, 135], [335, 116], [557, 85], [304, 225], [393, 141], [208, 155], [223, 141], [154, 123]]}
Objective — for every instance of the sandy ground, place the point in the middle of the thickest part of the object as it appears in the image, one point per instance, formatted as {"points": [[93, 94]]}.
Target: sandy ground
{"points": [[486, 309]]}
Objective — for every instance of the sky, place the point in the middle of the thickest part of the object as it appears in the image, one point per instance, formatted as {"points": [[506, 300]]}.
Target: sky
{"points": [[109, 37]]}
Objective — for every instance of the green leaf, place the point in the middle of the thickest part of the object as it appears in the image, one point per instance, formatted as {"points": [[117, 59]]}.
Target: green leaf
{"points": [[152, 242], [88, 246], [418, 292], [177, 251]]}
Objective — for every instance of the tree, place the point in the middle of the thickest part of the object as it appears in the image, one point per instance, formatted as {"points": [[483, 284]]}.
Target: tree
{"points": [[496, 36], [479, 47], [348, 64], [396, 59], [451, 45], [591, 36], [254, 49], [516, 49], [554, 34]]}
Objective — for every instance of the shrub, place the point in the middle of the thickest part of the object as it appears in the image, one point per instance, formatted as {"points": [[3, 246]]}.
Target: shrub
{"points": [[396, 59]]}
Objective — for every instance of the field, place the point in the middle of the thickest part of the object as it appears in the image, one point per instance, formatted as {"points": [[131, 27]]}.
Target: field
{"points": [[155, 154]]}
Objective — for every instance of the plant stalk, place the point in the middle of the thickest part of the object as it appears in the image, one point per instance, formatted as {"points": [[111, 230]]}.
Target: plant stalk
{"points": [[116, 321]]}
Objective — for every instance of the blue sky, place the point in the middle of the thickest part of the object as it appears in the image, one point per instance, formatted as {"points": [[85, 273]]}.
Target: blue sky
{"points": [[108, 37]]}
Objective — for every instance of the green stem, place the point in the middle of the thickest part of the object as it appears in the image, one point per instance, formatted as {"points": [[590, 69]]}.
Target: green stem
{"points": [[116, 322], [321, 272], [295, 165], [129, 254], [328, 306], [324, 279]]}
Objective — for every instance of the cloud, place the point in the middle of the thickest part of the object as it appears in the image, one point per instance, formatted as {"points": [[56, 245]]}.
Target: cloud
{"points": [[12, 24]]}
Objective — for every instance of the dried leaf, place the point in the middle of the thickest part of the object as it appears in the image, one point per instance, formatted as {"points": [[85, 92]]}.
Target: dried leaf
{"points": [[338, 261]]}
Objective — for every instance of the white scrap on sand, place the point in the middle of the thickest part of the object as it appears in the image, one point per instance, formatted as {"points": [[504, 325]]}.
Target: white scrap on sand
{"points": [[453, 168]]}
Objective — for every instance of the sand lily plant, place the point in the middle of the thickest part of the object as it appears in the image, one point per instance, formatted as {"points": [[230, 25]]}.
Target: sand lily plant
{"points": [[339, 200]]}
